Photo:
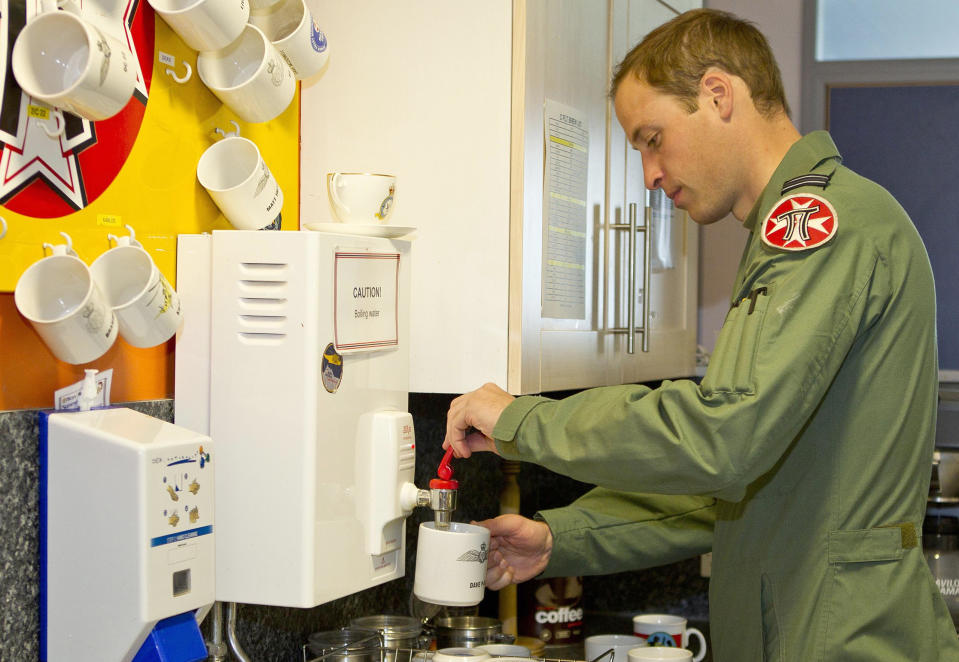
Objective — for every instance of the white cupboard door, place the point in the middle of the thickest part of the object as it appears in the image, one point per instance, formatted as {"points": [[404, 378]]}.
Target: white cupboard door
{"points": [[669, 279], [556, 300]]}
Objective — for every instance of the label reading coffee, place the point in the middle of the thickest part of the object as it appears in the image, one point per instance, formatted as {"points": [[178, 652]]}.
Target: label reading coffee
{"points": [[552, 611]]}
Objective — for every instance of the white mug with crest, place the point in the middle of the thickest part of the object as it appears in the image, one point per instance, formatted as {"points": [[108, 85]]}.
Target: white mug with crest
{"points": [[620, 644], [249, 76], [451, 564], [666, 630], [61, 300], [146, 306], [295, 34], [66, 62], [237, 178], [205, 25], [660, 654]]}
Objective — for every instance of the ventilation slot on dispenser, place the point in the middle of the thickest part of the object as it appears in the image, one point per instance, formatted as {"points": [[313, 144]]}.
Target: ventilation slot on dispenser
{"points": [[262, 304]]}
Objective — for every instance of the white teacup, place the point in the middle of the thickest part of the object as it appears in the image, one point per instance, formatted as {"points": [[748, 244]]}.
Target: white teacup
{"points": [[64, 61], [620, 644], [360, 197], [60, 299], [659, 654], [237, 178], [146, 306], [295, 34], [451, 564], [249, 76], [205, 25], [667, 630]]}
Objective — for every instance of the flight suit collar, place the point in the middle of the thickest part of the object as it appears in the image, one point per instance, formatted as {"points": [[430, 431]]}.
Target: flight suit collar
{"points": [[814, 152]]}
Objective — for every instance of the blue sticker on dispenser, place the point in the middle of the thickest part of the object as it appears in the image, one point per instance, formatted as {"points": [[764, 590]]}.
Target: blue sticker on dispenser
{"points": [[332, 372]]}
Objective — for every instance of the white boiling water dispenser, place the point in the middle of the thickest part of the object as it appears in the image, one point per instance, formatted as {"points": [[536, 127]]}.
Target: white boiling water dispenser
{"points": [[294, 357]]}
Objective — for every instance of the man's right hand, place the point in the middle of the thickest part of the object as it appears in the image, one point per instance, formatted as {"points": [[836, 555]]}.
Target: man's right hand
{"points": [[519, 549]]}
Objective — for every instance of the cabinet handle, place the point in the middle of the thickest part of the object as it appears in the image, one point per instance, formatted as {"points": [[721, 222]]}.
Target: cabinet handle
{"points": [[630, 329]]}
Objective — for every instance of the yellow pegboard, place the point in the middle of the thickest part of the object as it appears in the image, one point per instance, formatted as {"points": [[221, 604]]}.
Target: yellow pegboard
{"points": [[156, 191]]}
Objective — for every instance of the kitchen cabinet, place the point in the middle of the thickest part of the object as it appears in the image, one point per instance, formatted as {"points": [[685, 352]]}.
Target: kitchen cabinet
{"points": [[453, 99]]}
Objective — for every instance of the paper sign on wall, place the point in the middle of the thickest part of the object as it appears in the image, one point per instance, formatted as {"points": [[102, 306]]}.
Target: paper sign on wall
{"points": [[365, 299]]}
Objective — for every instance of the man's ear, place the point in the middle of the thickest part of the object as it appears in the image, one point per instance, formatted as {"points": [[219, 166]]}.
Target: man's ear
{"points": [[716, 89]]}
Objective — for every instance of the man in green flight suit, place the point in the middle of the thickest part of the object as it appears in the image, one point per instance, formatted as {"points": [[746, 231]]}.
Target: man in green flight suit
{"points": [[803, 458]]}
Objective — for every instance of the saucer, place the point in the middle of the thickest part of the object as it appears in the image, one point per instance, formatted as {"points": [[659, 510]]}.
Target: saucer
{"points": [[371, 230]]}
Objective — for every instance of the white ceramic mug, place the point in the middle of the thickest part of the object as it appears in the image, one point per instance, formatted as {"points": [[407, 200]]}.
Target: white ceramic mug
{"points": [[620, 644], [205, 25], [237, 178], [361, 197], [61, 300], [451, 564], [460, 655], [146, 306], [505, 650], [295, 34], [659, 654], [249, 76], [669, 631], [69, 63]]}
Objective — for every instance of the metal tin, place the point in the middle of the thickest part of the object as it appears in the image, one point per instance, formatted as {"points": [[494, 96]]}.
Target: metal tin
{"points": [[469, 631]]}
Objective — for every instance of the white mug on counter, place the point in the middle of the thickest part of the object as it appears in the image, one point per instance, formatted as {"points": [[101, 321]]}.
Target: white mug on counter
{"points": [[620, 644], [295, 34], [61, 300], [237, 178], [668, 631], [66, 62], [205, 25], [146, 306], [249, 76], [660, 654], [451, 564]]}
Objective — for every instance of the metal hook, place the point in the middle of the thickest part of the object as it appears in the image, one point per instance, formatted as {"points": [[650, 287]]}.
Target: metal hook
{"points": [[3, 222], [185, 77], [231, 134], [57, 117]]}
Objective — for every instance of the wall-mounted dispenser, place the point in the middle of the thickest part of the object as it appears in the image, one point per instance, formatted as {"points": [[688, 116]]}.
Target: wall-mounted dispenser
{"points": [[294, 357], [126, 537]]}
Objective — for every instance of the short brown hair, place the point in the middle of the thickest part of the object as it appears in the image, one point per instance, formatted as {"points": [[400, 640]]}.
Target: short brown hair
{"points": [[673, 58]]}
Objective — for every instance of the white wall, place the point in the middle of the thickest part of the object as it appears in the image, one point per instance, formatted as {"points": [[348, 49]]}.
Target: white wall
{"points": [[721, 243]]}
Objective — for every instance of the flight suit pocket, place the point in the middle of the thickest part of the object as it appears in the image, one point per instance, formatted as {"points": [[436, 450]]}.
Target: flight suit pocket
{"points": [[872, 589], [731, 366]]}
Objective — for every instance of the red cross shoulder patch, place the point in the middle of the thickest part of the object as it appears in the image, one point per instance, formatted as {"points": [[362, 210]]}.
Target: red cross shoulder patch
{"points": [[799, 222]]}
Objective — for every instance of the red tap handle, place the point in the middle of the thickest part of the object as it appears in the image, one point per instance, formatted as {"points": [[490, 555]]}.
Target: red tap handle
{"points": [[445, 471]]}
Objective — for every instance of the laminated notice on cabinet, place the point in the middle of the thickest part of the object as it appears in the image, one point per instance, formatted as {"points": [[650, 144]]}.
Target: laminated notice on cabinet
{"points": [[564, 212], [365, 300]]}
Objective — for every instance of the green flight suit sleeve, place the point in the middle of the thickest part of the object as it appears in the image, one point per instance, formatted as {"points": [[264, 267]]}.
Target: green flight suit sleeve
{"points": [[775, 358], [607, 531]]}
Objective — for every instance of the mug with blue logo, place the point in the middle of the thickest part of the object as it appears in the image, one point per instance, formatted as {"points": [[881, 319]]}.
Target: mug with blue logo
{"points": [[295, 34], [668, 631]]}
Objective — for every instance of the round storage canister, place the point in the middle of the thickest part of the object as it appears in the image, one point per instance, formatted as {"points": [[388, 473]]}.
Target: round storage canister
{"points": [[469, 631], [346, 645], [397, 632]]}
